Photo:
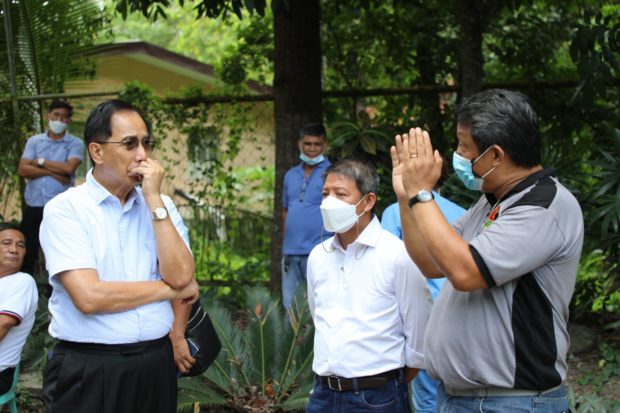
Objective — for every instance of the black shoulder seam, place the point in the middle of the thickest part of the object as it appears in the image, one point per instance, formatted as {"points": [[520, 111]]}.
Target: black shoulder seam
{"points": [[482, 266], [541, 195]]}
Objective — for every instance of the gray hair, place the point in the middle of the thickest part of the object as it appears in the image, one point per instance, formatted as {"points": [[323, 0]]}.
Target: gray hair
{"points": [[361, 172]]}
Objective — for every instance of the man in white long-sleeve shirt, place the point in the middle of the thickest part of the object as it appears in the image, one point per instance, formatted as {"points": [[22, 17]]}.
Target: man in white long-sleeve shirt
{"points": [[121, 269], [369, 302]]}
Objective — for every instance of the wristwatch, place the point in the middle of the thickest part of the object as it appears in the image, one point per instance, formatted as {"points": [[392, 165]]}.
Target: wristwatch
{"points": [[40, 162], [160, 213], [422, 196]]}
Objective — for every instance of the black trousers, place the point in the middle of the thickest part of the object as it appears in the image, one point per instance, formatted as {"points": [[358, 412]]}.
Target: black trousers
{"points": [[6, 379], [30, 224], [98, 378]]}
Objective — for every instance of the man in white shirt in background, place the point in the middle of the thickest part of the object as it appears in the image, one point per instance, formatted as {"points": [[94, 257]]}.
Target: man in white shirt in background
{"points": [[117, 255], [369, 302], [18, 302]]}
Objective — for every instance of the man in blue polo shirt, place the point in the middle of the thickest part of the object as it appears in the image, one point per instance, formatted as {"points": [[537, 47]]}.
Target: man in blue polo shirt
{"points": [[301, 216], [49, 162]]}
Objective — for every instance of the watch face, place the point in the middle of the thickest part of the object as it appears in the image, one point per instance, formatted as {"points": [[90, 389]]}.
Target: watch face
{"points": [[425, 196], [161, 213]]}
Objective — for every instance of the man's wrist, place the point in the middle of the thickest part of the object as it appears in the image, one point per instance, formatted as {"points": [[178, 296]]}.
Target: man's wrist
{"points": [[176, 335], [169, 293], [153, 201]]}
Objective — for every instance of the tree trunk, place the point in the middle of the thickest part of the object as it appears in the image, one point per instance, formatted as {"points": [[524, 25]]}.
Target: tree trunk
{"points": [[297, 97], [429, 100], [471, 62]]}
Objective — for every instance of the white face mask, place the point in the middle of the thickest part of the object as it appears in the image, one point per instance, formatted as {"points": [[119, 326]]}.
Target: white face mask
{"points": [[57, 126], [339, 216]]}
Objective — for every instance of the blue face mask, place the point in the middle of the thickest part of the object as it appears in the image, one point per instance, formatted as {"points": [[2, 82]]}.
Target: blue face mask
{"points": [[311, 161], [464, 170]]}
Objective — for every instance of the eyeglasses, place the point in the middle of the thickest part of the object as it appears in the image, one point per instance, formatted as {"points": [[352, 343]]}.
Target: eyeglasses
{"points": [[132, 143]]}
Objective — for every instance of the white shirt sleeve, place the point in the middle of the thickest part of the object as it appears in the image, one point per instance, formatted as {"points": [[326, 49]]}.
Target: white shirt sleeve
{"points": [[310, 285], [414, 302], [62, 236], [20, 297]]}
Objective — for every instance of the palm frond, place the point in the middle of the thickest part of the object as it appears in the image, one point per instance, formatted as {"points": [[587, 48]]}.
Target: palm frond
{"points": [[298, 400], [229, 369], [195, 389], [300, 345]]}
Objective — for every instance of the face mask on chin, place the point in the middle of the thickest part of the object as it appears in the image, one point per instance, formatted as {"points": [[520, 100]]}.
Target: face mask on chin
{"points": [[311, 161], [57, 126], [339, 216], [464, 170]]}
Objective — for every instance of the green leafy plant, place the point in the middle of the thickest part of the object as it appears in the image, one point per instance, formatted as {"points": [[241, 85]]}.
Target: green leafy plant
{"points": [[265, 362], [606, 195], [608, 366], [593, 404], [594, 288]]}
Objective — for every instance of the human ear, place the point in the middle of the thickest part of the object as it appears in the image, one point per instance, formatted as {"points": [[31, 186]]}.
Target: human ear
{"points": [[96, 152], [498, 153], [371, 199]]}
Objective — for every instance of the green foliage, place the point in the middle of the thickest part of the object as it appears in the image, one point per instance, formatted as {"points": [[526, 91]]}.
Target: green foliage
{"points": [[595, 50], [220, 244], [252, 56], [522, 41], [153, 9], [265, 362], [608, 366], [593, 404], [606, 195], [595, 291]]}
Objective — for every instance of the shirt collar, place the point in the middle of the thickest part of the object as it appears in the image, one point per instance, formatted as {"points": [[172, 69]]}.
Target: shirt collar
{"points": [[530, 180], [321, 165], [64, 138], [100, 193], [369, 237]]}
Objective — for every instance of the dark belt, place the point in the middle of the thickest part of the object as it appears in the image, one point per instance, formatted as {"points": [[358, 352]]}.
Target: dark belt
{"points": [[336, 383], [126, 349]]}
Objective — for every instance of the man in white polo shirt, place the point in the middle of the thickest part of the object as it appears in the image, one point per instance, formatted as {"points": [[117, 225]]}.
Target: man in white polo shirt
{"points": [[369, 302], [117, 256], [18, 302]]}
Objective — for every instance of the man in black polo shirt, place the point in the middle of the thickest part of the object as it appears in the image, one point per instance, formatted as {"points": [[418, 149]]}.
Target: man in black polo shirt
{"points": [[497, 336]]}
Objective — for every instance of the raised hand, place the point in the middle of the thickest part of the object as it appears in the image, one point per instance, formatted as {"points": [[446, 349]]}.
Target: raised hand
{"points": [[399, 158], [422, 164]]}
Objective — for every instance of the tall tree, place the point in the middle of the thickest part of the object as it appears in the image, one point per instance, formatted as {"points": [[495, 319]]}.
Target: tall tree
{"points": [[473, 17], [297, 96]]}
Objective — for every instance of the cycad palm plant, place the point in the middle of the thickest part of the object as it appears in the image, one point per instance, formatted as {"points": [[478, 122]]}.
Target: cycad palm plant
{"points": [[264, 365]]}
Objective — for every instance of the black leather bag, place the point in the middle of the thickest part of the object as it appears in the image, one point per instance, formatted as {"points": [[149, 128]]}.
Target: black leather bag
{"points": [[202, 340]]}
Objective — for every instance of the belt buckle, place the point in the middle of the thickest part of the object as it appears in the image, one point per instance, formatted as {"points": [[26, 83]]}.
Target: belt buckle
{"points": [[331, 386]]}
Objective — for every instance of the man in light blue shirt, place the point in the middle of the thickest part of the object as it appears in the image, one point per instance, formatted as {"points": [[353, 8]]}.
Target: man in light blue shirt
{"points": [[118, 258], [424, 387], [301, 219], [48, 163]]}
